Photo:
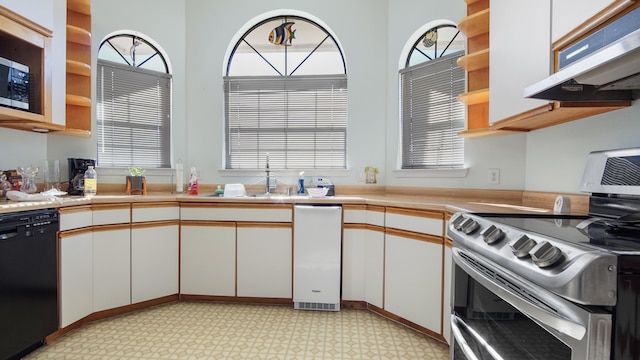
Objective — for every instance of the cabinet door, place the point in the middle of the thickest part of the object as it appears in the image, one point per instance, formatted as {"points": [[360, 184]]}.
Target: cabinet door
{"points": [[111, 267], [154, 260], [363, 265], [264, 260], [208, 259], [520, 54], [569, 14], [413, 280], [76, 276], [446, 295]]}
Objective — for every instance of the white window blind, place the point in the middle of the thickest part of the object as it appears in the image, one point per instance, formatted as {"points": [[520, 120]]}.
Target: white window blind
{"points": [[431, 115], [133, 116], [301, 121]]}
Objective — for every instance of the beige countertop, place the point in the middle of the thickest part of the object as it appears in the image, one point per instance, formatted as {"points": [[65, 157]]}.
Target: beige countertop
{"points": [[421, 202]]}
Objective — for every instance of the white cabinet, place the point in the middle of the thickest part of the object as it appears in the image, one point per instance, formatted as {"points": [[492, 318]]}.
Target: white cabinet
{"points": [[413, 266], [446, 295], [75, 217], [567, 15], [520, 54], [208, 258], [154, 260], [76, 276], [363, 264], [413, 280], [264, 260], [111, 267]]}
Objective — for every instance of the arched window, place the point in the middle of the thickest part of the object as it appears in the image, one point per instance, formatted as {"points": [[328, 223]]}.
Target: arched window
{"points": [[134, 103], [431, 117], [286, 95]]}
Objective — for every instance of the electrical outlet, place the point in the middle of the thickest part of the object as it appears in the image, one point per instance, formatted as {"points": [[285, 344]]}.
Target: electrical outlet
{"points": [[360, 176], [494, 176]]}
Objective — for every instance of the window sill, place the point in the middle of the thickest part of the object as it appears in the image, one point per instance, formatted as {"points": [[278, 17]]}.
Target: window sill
{"points": [[431, 173], [123, 171]]}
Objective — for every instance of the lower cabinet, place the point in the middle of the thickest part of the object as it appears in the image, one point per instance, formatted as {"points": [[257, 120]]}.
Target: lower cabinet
{"points": [[208, 258], [76, 275], [363, 264], [446, 296], [413, 278], [265, 260], [111, 267], [154, 260]]}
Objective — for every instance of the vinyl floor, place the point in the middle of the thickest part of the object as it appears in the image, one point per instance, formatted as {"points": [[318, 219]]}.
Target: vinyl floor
{"points": [[206, 330]]}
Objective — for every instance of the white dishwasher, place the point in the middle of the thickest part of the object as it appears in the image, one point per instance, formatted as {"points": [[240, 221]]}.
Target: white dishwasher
{"points": [[317, 240]]}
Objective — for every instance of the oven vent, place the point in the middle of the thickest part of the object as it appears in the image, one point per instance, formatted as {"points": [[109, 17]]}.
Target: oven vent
{"points": [[504, 283], [316, 306]]}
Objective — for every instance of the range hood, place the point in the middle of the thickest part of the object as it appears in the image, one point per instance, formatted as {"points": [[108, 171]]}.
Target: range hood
{"points": [[605, 66]]}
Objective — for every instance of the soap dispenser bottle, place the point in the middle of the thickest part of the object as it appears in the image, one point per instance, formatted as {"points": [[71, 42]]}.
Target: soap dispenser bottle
{"points": [[301, 183]]}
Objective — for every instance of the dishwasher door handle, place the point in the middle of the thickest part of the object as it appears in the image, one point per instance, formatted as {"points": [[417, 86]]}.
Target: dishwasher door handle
{"points": [[7, 236]]}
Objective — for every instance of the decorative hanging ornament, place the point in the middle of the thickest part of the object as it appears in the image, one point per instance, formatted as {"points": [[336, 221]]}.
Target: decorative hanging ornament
{"points": [[430, 38], [282, 35]]}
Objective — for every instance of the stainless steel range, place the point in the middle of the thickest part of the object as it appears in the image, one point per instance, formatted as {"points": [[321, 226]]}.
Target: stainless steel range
{"points": [[553, 286]]}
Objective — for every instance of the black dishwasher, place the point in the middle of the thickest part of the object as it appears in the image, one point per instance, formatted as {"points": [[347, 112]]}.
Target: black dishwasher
{"points": [[28, 280]]}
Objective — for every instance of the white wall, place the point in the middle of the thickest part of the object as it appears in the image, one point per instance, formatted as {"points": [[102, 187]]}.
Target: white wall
{"points": [[556, 156], [197, 33]]}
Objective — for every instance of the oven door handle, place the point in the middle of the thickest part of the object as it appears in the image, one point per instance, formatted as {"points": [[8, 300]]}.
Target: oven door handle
{"points": [[569, 320], [456, 325]]}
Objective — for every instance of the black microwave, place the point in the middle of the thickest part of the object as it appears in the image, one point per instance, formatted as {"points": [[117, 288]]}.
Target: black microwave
{"points": [[14, 84]]}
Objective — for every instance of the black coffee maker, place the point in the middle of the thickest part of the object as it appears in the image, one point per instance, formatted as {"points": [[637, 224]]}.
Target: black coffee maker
{"points": [[77, 167]]}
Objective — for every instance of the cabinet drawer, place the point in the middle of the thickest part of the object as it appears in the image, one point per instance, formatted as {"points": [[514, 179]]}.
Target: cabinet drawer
{"points": [[266, 213], [424, 222], [151, 212], [363, 214], [110, 214], [75, 218]]}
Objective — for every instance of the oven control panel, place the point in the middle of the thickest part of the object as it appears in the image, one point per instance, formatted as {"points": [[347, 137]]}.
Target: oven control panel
{"points": [[562, 267]]}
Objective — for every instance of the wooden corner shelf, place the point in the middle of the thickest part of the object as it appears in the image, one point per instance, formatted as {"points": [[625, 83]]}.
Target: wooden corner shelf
{"points": [[80, 6], [78, 68], [475, 24], [78, 100], [78, 35], [474, 97], [475, 61]]}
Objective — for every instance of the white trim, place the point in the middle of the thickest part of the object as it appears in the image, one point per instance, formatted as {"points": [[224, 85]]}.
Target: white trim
{"points": [[431, 173]]}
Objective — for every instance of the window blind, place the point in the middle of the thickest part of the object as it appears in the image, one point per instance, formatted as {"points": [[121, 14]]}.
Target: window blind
{"points": [[431, 115], [133, 116], [300, 121]]}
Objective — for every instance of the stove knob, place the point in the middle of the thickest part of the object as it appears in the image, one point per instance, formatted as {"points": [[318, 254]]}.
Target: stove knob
{"points": [[522, 246], [457, 222], [492, 235], [545, 254], [468, 226]]}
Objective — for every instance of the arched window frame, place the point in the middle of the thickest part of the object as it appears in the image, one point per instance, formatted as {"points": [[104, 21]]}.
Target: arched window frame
{"points": [[430, 115], [133, 103], [277, 117]]}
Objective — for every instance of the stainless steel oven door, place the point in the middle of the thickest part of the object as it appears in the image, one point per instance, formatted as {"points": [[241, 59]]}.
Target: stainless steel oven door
{"points": [[499, 315]]}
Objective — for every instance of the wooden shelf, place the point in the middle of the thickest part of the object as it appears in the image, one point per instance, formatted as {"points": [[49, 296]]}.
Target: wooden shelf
{"points": [[556, 113], [78, 35], [475, 61], [78, 68], [78, 100], [471, 134], [475, 24], [474, 97], [80, 6], [31, 125]]}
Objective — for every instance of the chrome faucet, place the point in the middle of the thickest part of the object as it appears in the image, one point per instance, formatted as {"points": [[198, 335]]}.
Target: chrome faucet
{"points": [[268, 180]]}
